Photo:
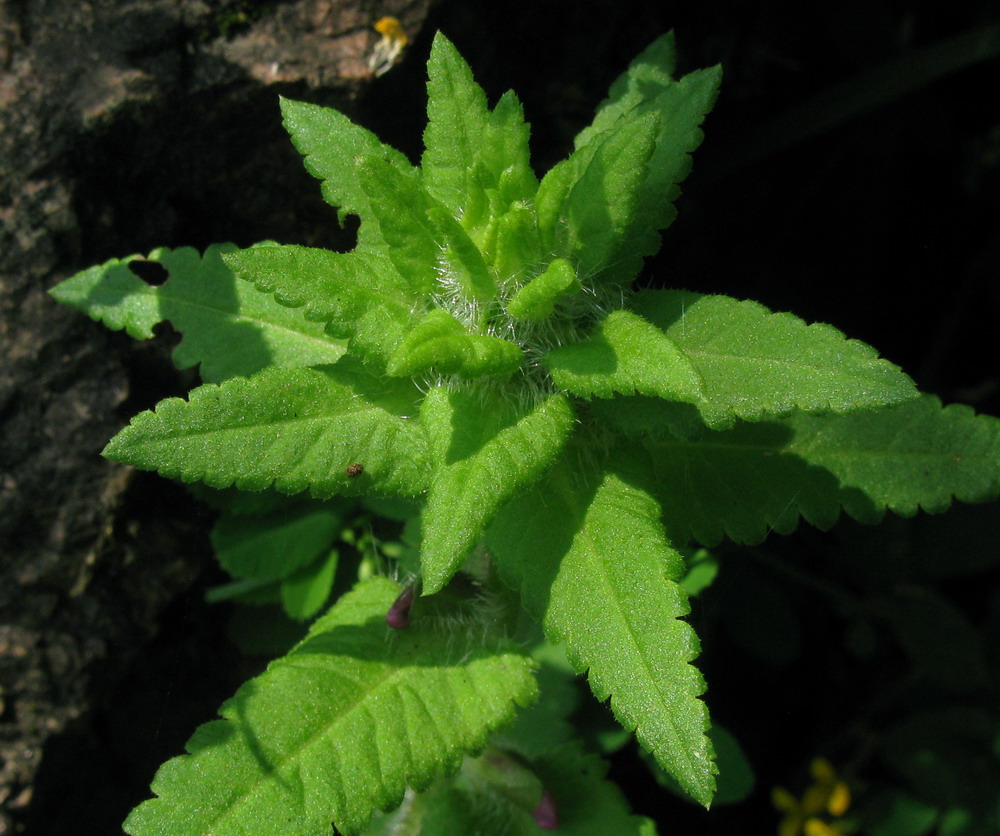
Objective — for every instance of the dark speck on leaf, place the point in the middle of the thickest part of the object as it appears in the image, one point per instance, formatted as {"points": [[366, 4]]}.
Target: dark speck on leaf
{"points": [[150, 272], [355, 470], [398, 617]]}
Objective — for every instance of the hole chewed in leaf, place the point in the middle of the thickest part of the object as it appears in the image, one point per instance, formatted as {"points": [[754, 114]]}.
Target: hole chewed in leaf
{"points": [[151, 272]]}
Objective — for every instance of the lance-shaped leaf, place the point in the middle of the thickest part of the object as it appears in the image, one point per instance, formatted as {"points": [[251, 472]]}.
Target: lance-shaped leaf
{"points": [[744, 482], [332, 145], [625, 355], [340, 726], [229, 327], [647, 86], [441, 342], [457, 116], [486, 450], [476, 161], [754, 363], [592, 563], [295, 429], [587, 203]]}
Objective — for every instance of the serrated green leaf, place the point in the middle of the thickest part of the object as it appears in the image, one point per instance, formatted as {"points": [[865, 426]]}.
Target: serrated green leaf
{"points": [[588, 553], [303, 593], [331, 145], [112, 294], [457, 116], [229, 327], [504, 167], [587, 203], [646, 87], [297, 429], [754, 363], [743, 483], [625, 355], [441, 342], [399, 205], [335, 288], [340, 726], [735, 778], [476, 161], [486, 450], [273, 546]]}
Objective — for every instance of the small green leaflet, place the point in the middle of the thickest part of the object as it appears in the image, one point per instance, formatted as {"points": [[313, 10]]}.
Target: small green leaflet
{"points": [[648, 86], [340, 726], [229, 327]]}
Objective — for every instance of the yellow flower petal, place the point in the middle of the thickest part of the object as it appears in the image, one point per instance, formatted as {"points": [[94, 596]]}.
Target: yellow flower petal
{"points": [[840, 799], [783, 800]]}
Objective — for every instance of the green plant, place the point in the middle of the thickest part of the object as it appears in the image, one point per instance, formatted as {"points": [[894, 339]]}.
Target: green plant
{"points": [[561, 439]]}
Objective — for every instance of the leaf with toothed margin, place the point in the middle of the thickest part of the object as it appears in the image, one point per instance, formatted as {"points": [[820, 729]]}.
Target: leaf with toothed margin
{"points": [[440, 341], [754, 478], [476, 161], [625, 355], [586, 549], [341, 726], [485, 450], [754, 363], [648, 86], [295, 429], [357, 295], [587, 203], [229, 327], [331, 145]]}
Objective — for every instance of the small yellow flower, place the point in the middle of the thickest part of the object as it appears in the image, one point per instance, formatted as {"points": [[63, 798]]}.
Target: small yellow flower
{"points": [[387, 50], [827, 796]]}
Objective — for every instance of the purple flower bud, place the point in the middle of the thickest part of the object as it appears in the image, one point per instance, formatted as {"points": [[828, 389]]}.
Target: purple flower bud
{"points": [[546, 815], [398, 617]]}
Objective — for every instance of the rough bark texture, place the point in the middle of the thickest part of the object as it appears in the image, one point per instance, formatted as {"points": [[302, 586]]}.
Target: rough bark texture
{"points": [[124, 126]]}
